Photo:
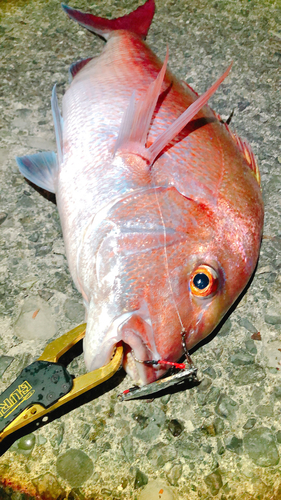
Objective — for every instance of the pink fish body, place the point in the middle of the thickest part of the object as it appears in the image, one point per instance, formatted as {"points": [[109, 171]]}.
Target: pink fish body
{"points": [[158, 242]]}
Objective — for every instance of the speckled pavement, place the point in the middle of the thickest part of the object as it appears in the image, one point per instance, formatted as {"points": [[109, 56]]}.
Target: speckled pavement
{"points": [[221, 439]]}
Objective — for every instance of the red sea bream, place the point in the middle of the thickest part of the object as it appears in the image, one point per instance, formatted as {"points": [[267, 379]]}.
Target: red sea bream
{"points": [[159, 201]]}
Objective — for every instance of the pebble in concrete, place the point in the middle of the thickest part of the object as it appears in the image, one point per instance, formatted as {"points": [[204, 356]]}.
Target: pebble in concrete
{"points": [[149, 433], [75, 467], [188, 450], [128, 447], [250, 423], [214, 482], [242, 358], [5, 362], [75, 311], [174, 474], [264, 410], [234, 444], [226, 407], [261, 448], [248, 325], [161, 453], [272, 320], [248, 375], [35, 321], [25, 445], [277, 392], [175, 427], [140, 479]]}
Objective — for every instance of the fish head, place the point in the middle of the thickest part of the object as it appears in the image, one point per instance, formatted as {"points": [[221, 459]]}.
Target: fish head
{"points": [[172, 265], [204, 268]]}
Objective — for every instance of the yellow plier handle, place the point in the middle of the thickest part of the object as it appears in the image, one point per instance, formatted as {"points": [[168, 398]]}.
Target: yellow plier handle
{"points": [[20, 393]]}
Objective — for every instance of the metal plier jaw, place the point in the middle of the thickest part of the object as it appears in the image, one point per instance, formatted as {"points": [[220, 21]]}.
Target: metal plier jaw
{"points": [[45, 385]]}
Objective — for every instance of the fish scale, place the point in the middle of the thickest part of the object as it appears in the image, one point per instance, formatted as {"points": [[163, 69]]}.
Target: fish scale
{"points": [[153, 191]]}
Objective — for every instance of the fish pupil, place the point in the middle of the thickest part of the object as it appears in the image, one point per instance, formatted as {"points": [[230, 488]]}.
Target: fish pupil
{"points": [[201, 281]]}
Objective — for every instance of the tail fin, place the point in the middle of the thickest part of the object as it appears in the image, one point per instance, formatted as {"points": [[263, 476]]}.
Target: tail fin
{"points": [[137, 21]]}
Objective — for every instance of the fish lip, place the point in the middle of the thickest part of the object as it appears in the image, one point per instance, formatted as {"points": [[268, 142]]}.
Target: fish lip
{"points": [[135, 330], [136, 369], [136, 351], [130, 365]]}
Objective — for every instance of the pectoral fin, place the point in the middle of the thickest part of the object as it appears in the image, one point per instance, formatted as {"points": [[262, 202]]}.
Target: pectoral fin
{"points": [[58, 123], [40, 168]]}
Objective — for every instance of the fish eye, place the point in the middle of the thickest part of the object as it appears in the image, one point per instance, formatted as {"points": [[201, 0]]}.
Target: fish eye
{"points": [[204, 281]]}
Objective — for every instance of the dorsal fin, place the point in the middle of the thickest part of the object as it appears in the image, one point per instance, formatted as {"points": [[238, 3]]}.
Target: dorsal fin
{"points": [[176, 127], [137, 117], [134, 126], [247, 152], [245, 149], [77, 66], [137, 21]]}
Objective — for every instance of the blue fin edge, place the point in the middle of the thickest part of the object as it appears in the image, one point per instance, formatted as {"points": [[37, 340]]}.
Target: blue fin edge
{"points": [[58, 122], [77, 66], [40, 168]]}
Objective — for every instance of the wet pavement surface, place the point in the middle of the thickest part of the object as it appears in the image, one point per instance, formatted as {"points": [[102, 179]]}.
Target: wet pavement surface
{"points": [[221, 439]]}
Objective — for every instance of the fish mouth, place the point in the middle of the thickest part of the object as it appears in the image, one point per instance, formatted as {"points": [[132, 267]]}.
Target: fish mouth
{"points": [[133, 364], [138, 342], [135, 331]]}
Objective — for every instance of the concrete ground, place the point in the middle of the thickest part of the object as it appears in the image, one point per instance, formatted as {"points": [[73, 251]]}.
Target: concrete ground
{"points": [[221, 439]]}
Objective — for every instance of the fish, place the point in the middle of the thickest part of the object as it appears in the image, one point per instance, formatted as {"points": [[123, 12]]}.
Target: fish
{"points": [[159, 201]]}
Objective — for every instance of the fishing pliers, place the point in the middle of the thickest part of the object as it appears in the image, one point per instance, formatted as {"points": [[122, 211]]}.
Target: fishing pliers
{"points": [[46, 384]]}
